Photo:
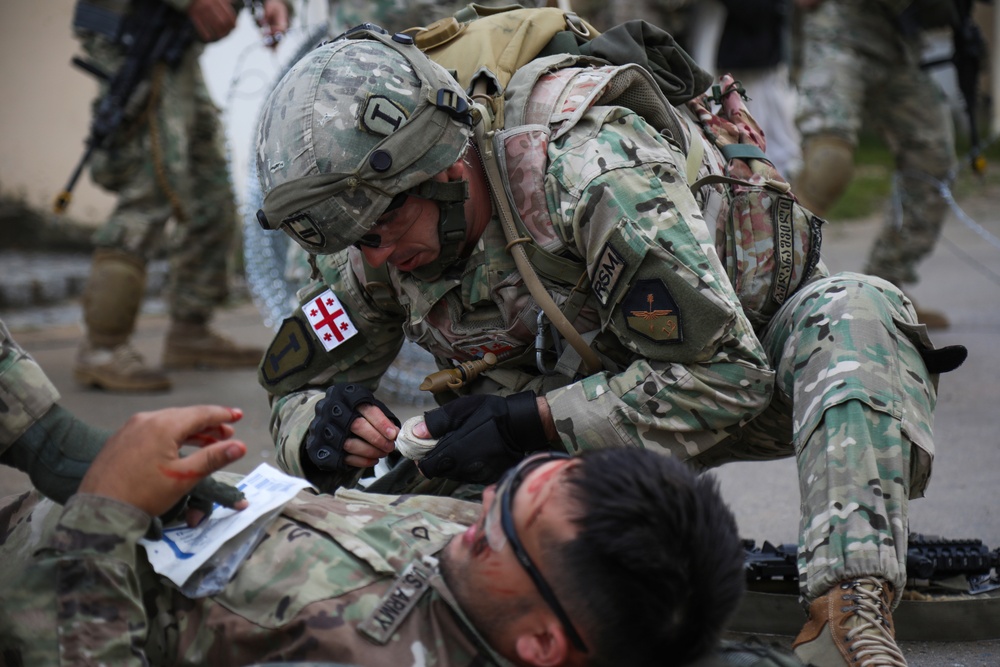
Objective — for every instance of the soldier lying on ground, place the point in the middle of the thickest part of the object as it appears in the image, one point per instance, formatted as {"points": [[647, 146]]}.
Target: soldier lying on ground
{"points": [[620, 556]]}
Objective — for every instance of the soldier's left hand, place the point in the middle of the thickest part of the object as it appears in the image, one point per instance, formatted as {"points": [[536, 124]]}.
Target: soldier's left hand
{"points": [[481, 436]]}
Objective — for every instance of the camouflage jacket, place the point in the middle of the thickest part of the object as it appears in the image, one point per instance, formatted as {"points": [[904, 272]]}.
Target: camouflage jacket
{"points": [[349, 578], [683, 369], [26, 393]]}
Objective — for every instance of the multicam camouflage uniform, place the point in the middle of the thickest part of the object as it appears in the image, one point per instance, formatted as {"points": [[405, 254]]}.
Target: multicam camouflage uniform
{"points": [[859, 66], [360, 586], [189, 157], [835, 379], [26, 393]]}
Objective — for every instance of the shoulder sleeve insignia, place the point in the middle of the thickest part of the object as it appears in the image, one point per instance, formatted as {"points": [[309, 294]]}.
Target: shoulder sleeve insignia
{"points": [[290, 351], [608, 271], [650, 311], [329, 320]]}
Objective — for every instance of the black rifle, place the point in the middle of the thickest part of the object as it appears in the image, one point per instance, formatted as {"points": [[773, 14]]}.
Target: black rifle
{"points": [[928, 558], [968, 51], [153, 32]]}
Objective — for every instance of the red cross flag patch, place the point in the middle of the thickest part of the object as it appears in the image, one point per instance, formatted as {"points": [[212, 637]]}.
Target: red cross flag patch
{"points": [[329, 320]]}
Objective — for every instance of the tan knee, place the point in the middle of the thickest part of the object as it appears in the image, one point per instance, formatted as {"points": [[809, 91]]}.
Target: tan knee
{"points": [[827, 168], [112, 297]]}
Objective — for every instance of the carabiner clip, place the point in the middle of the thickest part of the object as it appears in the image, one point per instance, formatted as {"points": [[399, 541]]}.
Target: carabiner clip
{"points": [[540, 345]]}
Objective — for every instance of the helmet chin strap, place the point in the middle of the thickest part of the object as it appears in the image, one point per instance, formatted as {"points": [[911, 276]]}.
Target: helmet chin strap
{"points": [[450, 197]]}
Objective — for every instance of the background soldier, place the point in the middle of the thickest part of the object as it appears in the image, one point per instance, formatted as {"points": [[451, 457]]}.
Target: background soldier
{"points": [[861, 62], [167, 160]]}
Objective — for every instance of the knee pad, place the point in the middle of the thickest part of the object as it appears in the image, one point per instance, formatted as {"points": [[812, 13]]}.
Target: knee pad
{"points": [[827, 169]]}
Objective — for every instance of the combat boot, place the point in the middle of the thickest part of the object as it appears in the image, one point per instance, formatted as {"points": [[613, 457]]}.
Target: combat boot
{"points": [[196, 345], [111, 301], [851, 626], [119, 369]]}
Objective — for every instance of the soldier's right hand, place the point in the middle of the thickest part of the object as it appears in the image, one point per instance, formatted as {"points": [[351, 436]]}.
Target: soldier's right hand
{"points": [[212, 19], [351, 429], [141, 463]]}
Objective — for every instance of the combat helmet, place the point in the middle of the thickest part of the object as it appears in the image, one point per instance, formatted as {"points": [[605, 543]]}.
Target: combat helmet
{"points": [[354, 125]]}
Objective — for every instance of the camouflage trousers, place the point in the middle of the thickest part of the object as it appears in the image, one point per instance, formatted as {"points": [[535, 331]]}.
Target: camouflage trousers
{"points": [[854, 404], [169, 163], [844, 84]]}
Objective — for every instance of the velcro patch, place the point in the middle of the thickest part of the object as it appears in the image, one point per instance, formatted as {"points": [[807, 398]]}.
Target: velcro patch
{"points": [[608, 271], [303, 227], [291, 350], [651, 311], [381, 116], [397, 603], [329, 320]]}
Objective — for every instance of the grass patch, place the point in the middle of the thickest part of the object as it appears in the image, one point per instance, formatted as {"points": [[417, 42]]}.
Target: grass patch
{"points": [[869, 188], [872, 182]]}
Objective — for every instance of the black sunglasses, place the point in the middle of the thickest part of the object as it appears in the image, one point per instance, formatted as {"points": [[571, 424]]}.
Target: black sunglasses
{"points": [[503, 506]]}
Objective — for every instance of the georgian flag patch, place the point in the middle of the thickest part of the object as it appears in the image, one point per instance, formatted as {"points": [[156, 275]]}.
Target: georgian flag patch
{"points": [[329, 320]]}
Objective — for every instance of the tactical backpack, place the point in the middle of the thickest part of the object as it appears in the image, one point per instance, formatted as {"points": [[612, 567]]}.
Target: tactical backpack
{"points": [[769, 244]]}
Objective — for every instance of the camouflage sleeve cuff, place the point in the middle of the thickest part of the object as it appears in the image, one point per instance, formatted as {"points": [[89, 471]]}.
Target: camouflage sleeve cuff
{"points": [[290, 419], [99, 526], [582, 415], [26, 394]]}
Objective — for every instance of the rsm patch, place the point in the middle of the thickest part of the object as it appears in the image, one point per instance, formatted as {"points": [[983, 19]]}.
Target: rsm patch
{"points": [[608, 271], [650, 310]]}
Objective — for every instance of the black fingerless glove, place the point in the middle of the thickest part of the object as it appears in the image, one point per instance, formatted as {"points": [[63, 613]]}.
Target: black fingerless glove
{"points": [[481, 436], [323, 448]]}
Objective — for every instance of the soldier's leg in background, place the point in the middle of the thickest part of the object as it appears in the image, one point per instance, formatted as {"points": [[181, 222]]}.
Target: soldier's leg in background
{"points": [[113, 295], [916, 121], [847, 358], [201, 249], [832, 87]]}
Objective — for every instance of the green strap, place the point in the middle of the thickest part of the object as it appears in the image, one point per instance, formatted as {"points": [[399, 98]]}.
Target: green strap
{"points": [[379, 287], [743, 152]]}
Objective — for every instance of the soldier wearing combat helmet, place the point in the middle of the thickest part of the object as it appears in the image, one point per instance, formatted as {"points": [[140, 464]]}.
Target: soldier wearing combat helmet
{"points": [[367, 153]]}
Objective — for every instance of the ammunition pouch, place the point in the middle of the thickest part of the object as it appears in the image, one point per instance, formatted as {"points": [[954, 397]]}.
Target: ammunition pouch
{"points": [[102, 17]]}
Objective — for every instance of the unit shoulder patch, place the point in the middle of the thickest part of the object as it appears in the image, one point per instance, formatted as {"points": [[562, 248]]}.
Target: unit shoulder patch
{"points": [[290, 351], [651, 311]]}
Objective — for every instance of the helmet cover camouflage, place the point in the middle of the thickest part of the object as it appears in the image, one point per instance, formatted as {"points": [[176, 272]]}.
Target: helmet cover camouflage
{"points": [[351, 125]]}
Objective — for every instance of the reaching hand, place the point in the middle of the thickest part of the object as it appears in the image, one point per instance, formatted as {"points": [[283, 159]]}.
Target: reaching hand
{"points": [[141, 463], [212, 19], [274, 20]]}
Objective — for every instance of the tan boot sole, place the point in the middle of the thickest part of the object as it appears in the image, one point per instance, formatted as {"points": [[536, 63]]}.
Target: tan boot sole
{"points": [[95, 378]]}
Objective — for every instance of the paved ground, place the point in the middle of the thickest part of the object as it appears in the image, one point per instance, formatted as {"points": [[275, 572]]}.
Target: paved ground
{"points": [[962, 278]]}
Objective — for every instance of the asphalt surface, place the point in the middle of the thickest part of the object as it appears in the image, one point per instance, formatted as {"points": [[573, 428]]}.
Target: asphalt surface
{"points": [[961, 278]]}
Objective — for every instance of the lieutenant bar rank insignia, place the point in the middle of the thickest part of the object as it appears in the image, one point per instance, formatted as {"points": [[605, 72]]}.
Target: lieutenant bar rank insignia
{"points": [[651, 311], [329, 320]]}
